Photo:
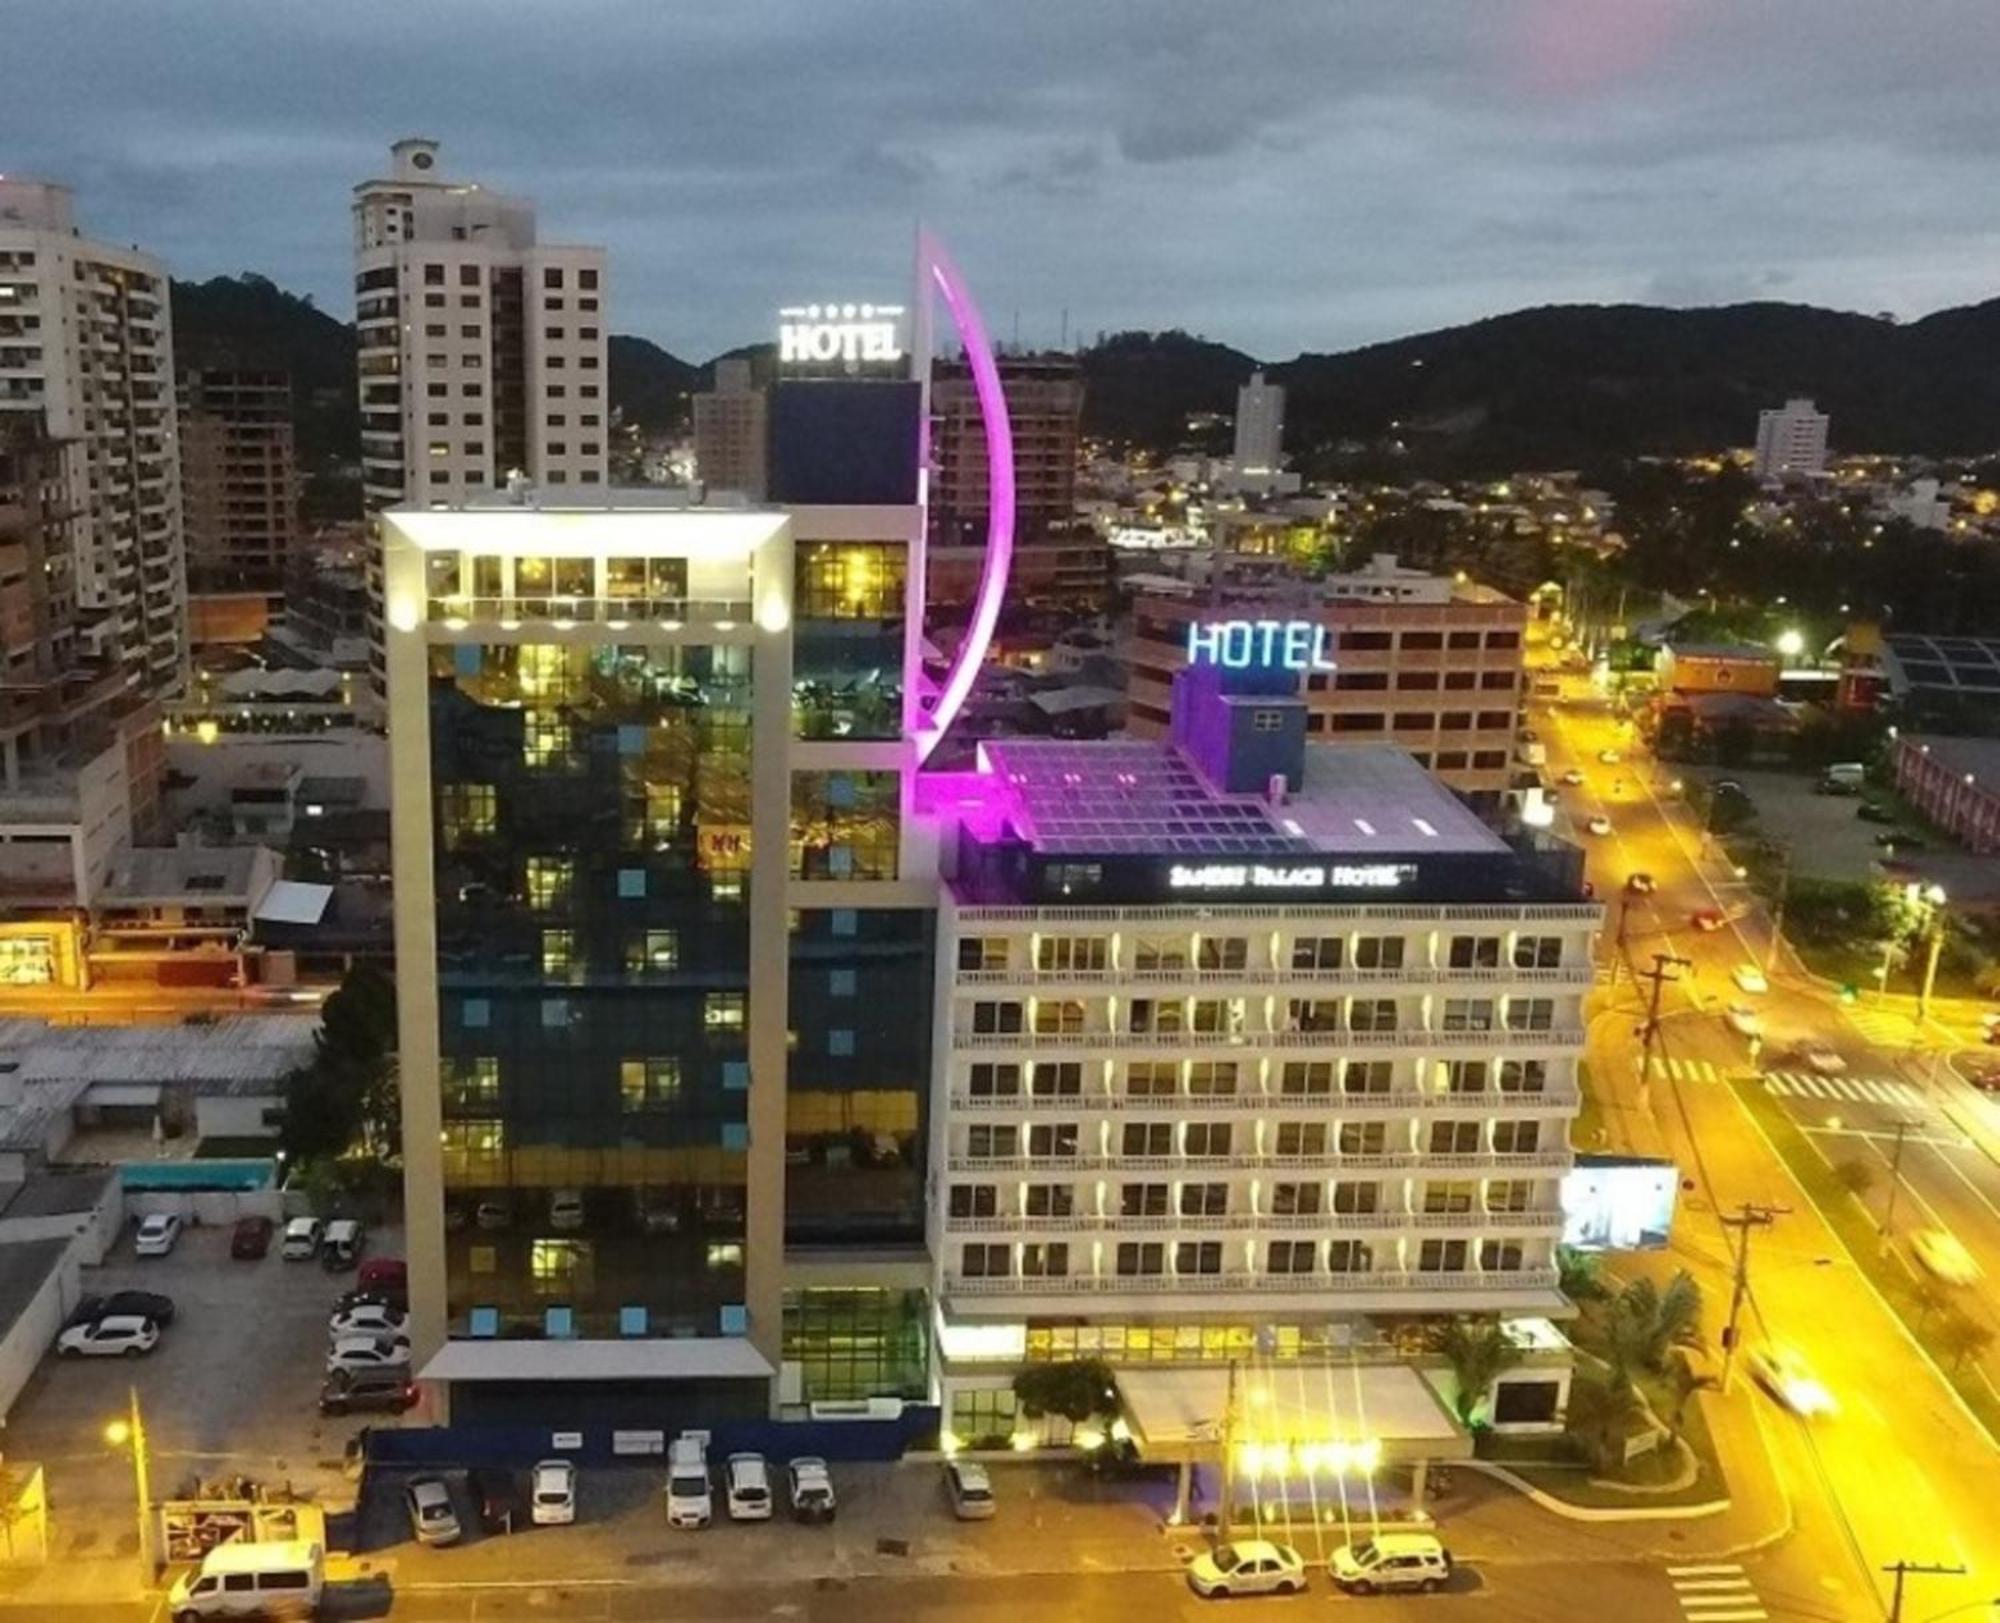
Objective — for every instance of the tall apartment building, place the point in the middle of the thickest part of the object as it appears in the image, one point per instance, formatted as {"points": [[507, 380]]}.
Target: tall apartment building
{"points": [[1246, 1045], [239, 472], [1429, 662], [1260, 427], [1791, 439], [86, 360], [482, 350], [730, 425]]}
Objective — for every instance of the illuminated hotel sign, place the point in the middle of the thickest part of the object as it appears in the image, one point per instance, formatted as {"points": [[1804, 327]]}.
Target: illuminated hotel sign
{"points": [[1294, 877], [839, 334], [1241, 645]]}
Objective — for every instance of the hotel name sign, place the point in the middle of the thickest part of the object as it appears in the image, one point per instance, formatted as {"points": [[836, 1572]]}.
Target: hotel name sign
{"points": [[839, 334], [1293, 878], [1242, 645]]}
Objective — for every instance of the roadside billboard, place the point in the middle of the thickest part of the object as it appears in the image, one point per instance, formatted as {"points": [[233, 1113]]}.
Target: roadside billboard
{"points": [[1618, 1203]]}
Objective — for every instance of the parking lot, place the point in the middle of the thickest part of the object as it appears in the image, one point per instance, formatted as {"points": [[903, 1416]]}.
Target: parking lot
{"points": [[1828, 840]]}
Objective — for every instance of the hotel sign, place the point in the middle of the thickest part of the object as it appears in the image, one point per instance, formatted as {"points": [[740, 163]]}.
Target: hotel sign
{"points": [[1291, 877], [1241, 645], [839, 334]]}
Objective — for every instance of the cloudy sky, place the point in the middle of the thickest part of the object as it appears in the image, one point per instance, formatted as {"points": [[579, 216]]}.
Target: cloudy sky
{"points": [[1277, 174]]}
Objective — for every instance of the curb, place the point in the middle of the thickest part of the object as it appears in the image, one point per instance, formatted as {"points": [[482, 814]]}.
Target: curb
{"points": [[1594, 1513]]}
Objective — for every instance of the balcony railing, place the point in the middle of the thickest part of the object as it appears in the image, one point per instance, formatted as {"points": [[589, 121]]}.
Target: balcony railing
{"points": [[1399, 1100], [664, 611], [1251, 1222], [1555, 1037], [1486, 1280], [1416, 975]]}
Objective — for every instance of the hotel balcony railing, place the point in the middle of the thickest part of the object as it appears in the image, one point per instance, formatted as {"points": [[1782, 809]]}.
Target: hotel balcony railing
{"points": [[668, 612], [1550, 1220], [1406, 1037], [1185, 1104], [1415, 975], [1328, 1161], [1213, 1284]]}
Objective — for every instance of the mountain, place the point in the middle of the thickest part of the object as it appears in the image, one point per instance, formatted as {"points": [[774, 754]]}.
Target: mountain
{"points": [[252, 318], [650, 387], [1141, 388]]}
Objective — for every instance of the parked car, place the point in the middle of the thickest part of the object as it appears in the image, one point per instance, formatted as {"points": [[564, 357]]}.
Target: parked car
{"points": [[340, 1246], [970, 1490], [1944, 1255], [690, 1496], [497, 1493], [1749, 978], [127, 1304], [367, 1391], [656, 1212], [554, 1493], [748, 1483], [1640, 884], [432, 1519], [1251, 1566], [1609, 757], [301, 1241], [281, 1579], [1784, 1373], [119, 1335], [1600, 824], [157, 1234], [1744, 1020], [1572, 777], [1869, 812], [1900, 841], [811, 1490], [1820, 1057], [361, 1298], [1391, 1561], [566, 1210], [369, 1352], [251, 1238], [369, 1319], [387, 1276], [1708, 919]]}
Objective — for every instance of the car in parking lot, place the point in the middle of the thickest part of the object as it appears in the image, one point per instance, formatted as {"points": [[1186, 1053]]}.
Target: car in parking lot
{"points": [[1826, 1060], [386, 1279], [157, 1234], [119, 1335], [1744, 1020], [1749, 978], [1609, 757], [369, 1352], [1784, 1373], [368, 1319], [1572, 777], [1600, 824], [1390, 1561], [811, 1489], [1252, 1566], [432, 1518], [1901, 841], [1869, 812], [553, 1498], [747, 1481], [250, 1238], [970, 1490], [690, 1495], [301, 1241], [128, 1304], [497, 1493], [1944, 1255], [367, 1391], [1985, 1078]]}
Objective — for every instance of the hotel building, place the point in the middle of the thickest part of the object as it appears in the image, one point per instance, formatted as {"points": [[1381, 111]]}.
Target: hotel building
{"points": [[1246, 1043]]}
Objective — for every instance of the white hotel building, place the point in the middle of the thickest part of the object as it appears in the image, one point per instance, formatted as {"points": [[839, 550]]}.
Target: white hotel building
{"points": [[1243, 1044]]}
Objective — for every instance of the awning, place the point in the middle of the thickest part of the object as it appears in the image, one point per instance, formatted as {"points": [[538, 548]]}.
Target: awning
{"points": [[129, 1094], [1179, 1413], [291, 901], [710, 1358]]}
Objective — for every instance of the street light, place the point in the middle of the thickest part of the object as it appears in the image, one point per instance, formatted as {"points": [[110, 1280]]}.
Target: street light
{"points": [[1791, 644], [132, 1430]]}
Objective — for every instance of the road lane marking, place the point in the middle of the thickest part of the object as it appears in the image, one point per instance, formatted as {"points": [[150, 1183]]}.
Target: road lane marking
{"points": [[1703, 1572], [1716, 1592]]}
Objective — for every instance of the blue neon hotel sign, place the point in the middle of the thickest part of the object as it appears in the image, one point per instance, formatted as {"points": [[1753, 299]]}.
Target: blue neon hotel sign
{"points": [[1241, 645]]}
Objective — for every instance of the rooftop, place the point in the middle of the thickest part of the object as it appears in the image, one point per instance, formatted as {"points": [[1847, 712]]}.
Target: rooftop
{"points": [[175, 873], [55, 1194], [1957, 664], [25, 1266], [1978, 756], [238, 1048]]}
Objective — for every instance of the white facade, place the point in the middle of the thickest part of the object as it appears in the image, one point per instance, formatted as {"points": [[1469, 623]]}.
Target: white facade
{"points": [[1260, 427], [86, 353], [1791, 440], [1174, 1115]]}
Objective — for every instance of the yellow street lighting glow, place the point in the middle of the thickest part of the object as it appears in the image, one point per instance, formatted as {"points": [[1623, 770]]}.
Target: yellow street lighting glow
{"points": [[117, 1433]]}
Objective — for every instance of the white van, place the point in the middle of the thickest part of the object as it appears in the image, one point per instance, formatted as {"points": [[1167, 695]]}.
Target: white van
{"points": [[301, 1242], [690, 1497], [252, 1580]]}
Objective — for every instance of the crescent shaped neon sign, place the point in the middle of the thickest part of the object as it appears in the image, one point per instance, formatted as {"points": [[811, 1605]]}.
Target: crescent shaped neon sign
{"points": [[940, 276]]}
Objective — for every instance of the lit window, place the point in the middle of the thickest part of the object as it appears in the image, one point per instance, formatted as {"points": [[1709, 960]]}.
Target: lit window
{"points": [[551, 881], [467, 811], [724, 1011], [546, 738], [558, 954], [471, 1081], [656, 952], [560, 1267], [648, 1084], [474, 1152]]}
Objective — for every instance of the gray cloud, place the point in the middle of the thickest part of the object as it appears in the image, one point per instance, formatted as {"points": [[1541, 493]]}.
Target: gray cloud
{"points": [[1291, 174]]}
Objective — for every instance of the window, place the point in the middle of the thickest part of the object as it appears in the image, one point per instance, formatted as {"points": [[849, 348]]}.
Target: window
{"points": [[1204, 1199], [1371, 1014], [470, 1083], [1463, 639], [994, 1019], [973, 1200], [1158, 1016], [1222, 952], [1456, 721], [1296, 1199], [1454, 1137], [1538, 951], [1054, 1142], [1461, 682], [1140, 1258], [466, 812], [1213, 1077], [1495, 721], [653, 952], [1441, 1257], [1058, 1016], [1209, 1138], [1290, 1256], [1465, 1076], [1531, 1013], [1468, 1014], [560, 1268], [1422, 641], [586, 278], [1501, 1256], [1198, 1257], [1045, 1260], [1451, 760], [1301, 1138], [558, 954], [1361, 682], [982, 1260], [1372, 721], [1059, 1080], [1524, 1075], [648, 1084], [1475, 952], [1142, 1200], [1357, 1199], [1367, 1076], [1449, 1198], [1503, 639], [1416, 681], [724, 1011], [1146, 1138], [1216, 1014], [976, 952], [1364, 642], [994, 1081], [1510, 1195], [1378, 952], [1066, 952], [552, 276], [992, 1143], [1415, 721], [1318, 952], [1160, 952], [434, 276], [1312, 1014], [1349, 1257], [1267, 721], [1362, 1138], [1306, 1077], [1152, 1079], [1050, 1200], [1516, 1137], [549, 882], [1496, 681]]}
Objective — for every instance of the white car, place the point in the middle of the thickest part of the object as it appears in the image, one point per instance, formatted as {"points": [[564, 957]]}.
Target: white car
{"points": [[748, 1481], [1391, 1561], [1827, 1061], [1749, 978], [157, 1234], [552, 1493], [368, 1352], [1609, 757], [1572, 777], [121, 1335], [1944, 1254], [368, 1319], [1784, 1373], [1744, 1020], [1251, 1566], [1600, 824]]}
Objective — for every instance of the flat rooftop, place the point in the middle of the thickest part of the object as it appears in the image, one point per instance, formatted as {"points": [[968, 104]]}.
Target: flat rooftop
{"points": [[232, 1048], [1978, 756]]}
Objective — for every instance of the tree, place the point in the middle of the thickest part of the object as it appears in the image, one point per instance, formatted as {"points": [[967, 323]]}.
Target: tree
{"points": [[1082, 1389], [348, 1095], [1854, 1176], [1479, 1352], [1600, 1414], [1684, 1379], [1959, 1338], [1648, 1323], [1578, 1275]]}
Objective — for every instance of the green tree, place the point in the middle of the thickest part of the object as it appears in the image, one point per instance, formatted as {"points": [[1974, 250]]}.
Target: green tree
{"points": [[1959, 1338], [1479, 1351], [1648, 1323], [1082, 1389], [1600, 1414], [1578, 1275], [348, 1096]]}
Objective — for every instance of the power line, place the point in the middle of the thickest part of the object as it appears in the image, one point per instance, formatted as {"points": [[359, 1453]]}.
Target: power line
{"points": [[1915, 1569], [1748, 1216]]}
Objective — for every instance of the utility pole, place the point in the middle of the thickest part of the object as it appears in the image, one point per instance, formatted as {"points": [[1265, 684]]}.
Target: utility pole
{"points": [[1895, 1179], [1778, 908], [1914, 1569], [1748, 1216], [1649, 1033], [1930, 966]]}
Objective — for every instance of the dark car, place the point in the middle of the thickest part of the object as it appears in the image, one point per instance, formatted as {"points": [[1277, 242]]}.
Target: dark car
{"points": [[1896, 841], [123, 1304], [1869, 812], [497, 1493], [251, 1238], [367, 1391]]}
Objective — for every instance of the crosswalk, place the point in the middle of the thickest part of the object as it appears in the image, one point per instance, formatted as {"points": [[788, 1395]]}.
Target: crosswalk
{"points": [[1854, 1089], [1885, 1027], [1688, 1070], [1717, 1592]]}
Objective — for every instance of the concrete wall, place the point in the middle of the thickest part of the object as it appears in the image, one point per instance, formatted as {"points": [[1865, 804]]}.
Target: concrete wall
{"points": [[235, 1116], [94, 1231], [31, 1334]]}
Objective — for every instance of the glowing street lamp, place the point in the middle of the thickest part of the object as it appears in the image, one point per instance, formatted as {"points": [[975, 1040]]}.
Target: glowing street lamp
{"points": [[131, 1429], [1791, 644]]}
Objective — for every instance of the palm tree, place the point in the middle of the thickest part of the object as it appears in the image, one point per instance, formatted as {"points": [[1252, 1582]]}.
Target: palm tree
{"points": [[1647, 1323], [1577, 1274], [1684, 1379], [1479, 1352], [1599, 1415]]}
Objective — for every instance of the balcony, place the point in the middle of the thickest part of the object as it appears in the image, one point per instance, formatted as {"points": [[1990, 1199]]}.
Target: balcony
{"points": [[1517, 1279], [670, 613], [1553, 1039], [1562, 975], [1228, 1222]]}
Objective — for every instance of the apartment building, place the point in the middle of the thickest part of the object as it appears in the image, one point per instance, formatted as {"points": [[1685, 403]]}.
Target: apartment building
{"points": [[1791, 440], [1433, 663], [239, 473], [730, 426], [86, 366], [1245, 1042]]}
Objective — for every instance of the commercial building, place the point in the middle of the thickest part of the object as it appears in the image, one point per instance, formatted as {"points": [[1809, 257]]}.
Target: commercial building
{"points": [[482, 350], [1955, 783], [730, 425], [1260, 427], [1791, 440], [1695, 668], [1432, 663], [239, 473], [1248, 1045], [86, 369]]}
